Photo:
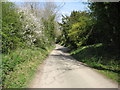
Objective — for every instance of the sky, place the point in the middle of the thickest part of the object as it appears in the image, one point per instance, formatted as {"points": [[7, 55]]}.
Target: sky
{"points": [[67, 6]]}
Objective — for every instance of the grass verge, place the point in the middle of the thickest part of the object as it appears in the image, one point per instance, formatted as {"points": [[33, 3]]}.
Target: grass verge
{"points": [[104, 59], [19, 66]]}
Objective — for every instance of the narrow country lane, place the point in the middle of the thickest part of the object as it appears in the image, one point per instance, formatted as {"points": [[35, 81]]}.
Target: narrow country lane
{"points": [[60, 70]]}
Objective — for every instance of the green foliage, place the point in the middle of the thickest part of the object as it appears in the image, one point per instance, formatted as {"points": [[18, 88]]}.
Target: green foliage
{"points": [[19, 66], [19, 29], [49, 29], [11, 28], [100, 25], [106, 16], [102, 58], [76, 29]]}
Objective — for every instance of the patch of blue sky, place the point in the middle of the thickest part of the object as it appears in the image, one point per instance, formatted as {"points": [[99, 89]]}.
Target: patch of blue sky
{"points": [[68, 7]]}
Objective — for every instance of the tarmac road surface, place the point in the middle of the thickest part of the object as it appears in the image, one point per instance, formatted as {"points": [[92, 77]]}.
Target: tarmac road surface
{"points": [[60, 70]]}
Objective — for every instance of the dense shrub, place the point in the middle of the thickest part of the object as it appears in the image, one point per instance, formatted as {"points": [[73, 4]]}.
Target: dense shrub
{"points": [[22, 28], [11, 28]]}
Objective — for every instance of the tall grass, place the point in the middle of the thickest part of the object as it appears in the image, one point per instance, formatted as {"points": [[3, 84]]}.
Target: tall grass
{"points": [[104, 59], [20, 65]]}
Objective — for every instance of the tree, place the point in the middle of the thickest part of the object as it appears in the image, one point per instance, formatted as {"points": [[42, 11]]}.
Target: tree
{"points": [[11, 27], [106, 15], [76, 29]]}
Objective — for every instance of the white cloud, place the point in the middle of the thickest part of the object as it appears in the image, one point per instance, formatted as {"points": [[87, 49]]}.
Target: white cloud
{"points": [[65, 13]]}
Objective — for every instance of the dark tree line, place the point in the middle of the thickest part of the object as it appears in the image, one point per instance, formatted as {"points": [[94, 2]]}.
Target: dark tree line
{"points": [[106, 16], [99, 25]]}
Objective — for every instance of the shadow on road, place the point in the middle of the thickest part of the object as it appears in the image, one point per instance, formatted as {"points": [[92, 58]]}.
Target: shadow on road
{"points": [[82, 56], [64, 49]]}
